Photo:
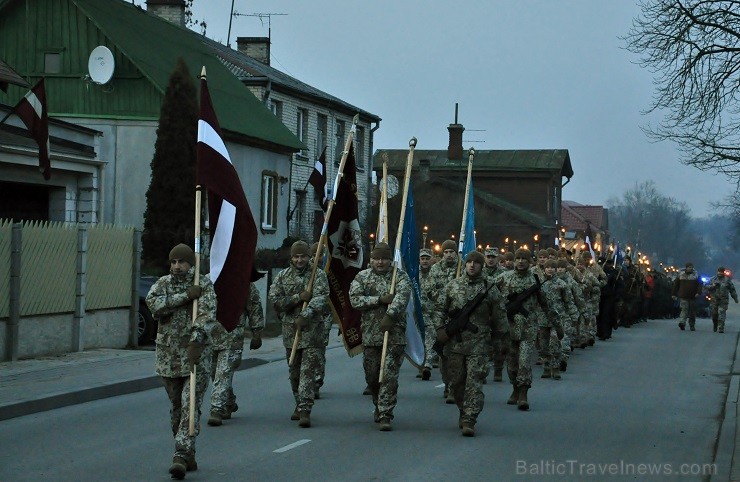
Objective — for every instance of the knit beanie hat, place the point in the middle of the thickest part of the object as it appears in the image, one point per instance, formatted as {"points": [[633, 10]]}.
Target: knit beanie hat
{"points": [[300, 247], [183, 252], [523, 253], [508, 256], [542, 253], [475, 257], [381, 251], [551, 263], [449, 244], [562, 263]]}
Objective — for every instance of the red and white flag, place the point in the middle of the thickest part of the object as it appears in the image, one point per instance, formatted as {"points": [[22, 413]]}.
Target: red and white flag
{"points": [[32, 111], [232, 227], [318, 180]]}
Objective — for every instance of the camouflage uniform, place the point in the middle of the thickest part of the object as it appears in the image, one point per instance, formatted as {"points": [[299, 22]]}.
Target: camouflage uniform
{"points": [[558, 295], [500, 345], [227, 348], [570, 314], [364, 292], [523, 329], [440, 274], [720, 290], [284, 294], [168, 301], [467, 358], [581, 307], [427, 310], [591, 295]]}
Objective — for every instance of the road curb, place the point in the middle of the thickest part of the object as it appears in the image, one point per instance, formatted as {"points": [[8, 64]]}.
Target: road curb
{"points": [[729, 438]]}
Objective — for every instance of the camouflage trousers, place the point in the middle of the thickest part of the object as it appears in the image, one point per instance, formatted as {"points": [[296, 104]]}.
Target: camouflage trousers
{"points": [[718, 313], [322, 355], [467, 374], [223, 365], [519, 362], [569, 339], [688, 312], [430, 336], [385, 395], [543, 345], [498, 351], [556, 351], [178, 391], [302, 375]]}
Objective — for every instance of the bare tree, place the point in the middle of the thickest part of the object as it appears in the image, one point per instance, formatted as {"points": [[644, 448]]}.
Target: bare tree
{"points": [[693, 48]]}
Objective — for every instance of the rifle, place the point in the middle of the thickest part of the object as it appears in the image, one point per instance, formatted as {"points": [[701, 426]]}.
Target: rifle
{"points": [[515, 301], [460, 320]]}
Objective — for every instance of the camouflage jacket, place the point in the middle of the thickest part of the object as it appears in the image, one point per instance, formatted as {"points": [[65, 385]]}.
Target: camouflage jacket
{"points": [[577, 292], [560, 298], [364, 292], [524, 324], [591, 290], [426, 288], [493, 274], [489, 316], [569, 299], [168, 301], [721, 289], [252, 316], [440, 274], [284, 295]]}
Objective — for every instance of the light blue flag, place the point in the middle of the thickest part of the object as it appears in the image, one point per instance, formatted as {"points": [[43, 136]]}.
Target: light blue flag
{"points": [[409, 262], [469, 243]]}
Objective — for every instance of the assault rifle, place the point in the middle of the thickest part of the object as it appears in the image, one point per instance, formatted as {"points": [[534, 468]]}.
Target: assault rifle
{"points": [[515, 301], [460, 319]]}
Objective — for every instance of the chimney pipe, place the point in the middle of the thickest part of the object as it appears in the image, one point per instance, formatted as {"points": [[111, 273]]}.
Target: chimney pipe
{"points": [[170, 10], [455, 147], [256, 47]]}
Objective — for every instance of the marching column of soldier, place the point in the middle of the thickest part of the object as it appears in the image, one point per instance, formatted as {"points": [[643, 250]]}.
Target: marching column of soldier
{"points": [[503, 310]]}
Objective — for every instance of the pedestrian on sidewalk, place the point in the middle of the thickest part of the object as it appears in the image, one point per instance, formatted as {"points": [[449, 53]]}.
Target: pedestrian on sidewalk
{"points": [[686, 289], [181, 346], [720, 289]]}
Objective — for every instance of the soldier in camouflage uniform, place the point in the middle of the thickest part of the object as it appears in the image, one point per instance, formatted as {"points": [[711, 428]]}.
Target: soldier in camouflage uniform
{"points": [[687, 288], [328, 321], [427, 308], [299, 308], [508, 259], [226, 356], [572, 300], [181, 345], [720, 289], [539, 270], [442, 273], [591, 288], [467, 352], [632, 295], [500, 346], [382, 311], [552, 331], [523, 326]]}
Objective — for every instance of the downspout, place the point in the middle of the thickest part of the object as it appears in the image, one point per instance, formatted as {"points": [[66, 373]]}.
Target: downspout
{"points": [[370, 168]]}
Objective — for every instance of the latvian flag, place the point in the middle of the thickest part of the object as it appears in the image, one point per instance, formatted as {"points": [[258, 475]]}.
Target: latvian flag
{"points": [[232, 227], [32, 111], [318, 180]]}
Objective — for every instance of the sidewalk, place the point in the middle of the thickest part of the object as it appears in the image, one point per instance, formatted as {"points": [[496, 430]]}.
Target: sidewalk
{"points": [[47, 383]]}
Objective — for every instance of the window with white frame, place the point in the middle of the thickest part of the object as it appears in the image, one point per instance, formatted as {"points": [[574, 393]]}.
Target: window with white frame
{"points": [[277, 108], [322, 123], [268, 211]]}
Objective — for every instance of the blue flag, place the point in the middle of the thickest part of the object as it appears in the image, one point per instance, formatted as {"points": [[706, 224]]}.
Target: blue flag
{"points": [[409, 259], [469, 242]]}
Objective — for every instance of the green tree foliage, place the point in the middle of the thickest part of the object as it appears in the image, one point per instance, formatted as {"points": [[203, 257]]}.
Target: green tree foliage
{"points": [[659, 226], [170, 199]]}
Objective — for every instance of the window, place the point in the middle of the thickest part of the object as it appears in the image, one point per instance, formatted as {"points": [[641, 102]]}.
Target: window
{"points": [[277, 108], [322, 124], [360, 147], [52, 63], [268, 211], [302, 127], [339, 141]]}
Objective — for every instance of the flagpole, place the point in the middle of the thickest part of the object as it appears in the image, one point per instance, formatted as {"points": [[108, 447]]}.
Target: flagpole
{"points": [[397, 250], [384, 207], [325, 228], [471, 156], [196, 282]]}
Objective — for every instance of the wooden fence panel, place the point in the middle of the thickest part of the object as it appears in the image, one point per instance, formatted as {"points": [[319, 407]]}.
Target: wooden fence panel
{"points": [[109, 269], [6, 227]]}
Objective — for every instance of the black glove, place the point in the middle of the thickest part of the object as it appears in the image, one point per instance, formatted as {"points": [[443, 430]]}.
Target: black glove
{"points": [[301, 322], [442, 336], [385, 299], [560, 333], [256, 342], [386, 324], [194, 292], [195, 350], [306, 296]]}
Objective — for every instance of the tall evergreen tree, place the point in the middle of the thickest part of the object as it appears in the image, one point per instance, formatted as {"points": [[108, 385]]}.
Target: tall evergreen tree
{"points": [[170, 199]]}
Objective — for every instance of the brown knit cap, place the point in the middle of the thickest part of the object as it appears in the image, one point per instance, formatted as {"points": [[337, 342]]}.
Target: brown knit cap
{"points": [[381, 251], [552, 252], [508, 256], [551, 263], [475, 257], [183, 252], [562, 263], [300, 247], [449, 244], [523, 253], [542, 253]]}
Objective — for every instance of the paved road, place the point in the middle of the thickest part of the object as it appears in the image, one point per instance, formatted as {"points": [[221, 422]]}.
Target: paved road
{"points": [[649, 401]]}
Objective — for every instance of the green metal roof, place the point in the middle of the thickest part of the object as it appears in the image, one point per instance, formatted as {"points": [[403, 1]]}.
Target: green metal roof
{"points": [[531, 160], [143, 45]]}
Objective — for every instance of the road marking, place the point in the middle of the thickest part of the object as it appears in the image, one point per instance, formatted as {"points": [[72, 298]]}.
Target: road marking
{"points": [[291, 446], [441, 385]]}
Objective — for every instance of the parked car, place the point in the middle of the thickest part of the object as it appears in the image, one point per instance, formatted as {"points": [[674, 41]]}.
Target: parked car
{"points": [[147, 327]]}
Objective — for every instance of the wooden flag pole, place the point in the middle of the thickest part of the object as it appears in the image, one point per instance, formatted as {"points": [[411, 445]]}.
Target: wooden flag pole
{"points": [[325, 228], [196, 281], [384, 204], [397, 250], [471, 156]]}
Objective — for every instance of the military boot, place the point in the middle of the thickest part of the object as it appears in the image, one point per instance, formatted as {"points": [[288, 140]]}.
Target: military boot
{"points": [[367, 391], [385, 424], [178, 468], [376, 416], [450, 398], [563, 365], [714, 324], [682, 325], [498, 374], [460, 420], [514, 396], [192, 465], [546, 373], [295, 415], [555, 371], [215, 419], [522, 403], [692, 327], [231, 408], [468, 429], [305, 419], [426, 374]]}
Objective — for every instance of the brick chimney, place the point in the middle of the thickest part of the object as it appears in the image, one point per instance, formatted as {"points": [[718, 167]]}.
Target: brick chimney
{"points": [[256, 47], [170, 10], [455, 148]]}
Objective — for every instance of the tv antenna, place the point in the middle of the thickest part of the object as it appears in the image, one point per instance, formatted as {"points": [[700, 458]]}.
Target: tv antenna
{"points": [[261, 16]]}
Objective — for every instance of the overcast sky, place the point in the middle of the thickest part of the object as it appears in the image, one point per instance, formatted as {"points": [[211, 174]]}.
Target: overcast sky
{"points": [[527, 74]]}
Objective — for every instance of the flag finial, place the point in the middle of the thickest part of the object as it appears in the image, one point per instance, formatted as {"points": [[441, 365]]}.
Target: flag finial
{"points": [[203, 72]]}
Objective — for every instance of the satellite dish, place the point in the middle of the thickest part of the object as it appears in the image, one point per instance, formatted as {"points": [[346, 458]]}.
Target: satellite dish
{"points": [[101, 65], [392, 185]]}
